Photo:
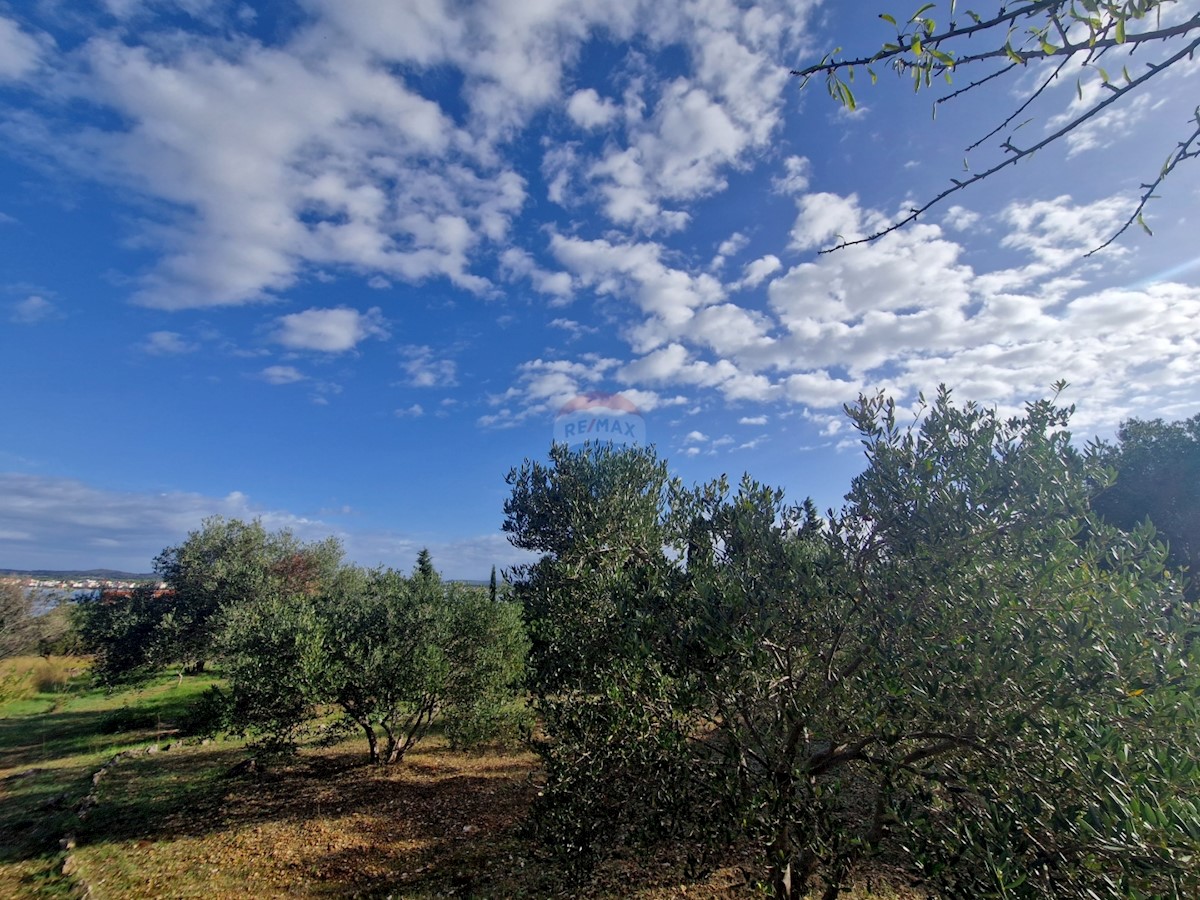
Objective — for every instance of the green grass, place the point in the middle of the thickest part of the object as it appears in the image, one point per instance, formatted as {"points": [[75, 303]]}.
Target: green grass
{"points": [[177, 823], [51, 741]]}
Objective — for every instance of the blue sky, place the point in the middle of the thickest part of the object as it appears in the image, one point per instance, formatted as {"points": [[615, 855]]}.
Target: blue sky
{"points": [[337, 263]]}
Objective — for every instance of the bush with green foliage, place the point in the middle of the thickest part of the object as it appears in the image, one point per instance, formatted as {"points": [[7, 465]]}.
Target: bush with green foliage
{"points": [[1157, 466], [965, 667], [224, 565], [391, 653]]}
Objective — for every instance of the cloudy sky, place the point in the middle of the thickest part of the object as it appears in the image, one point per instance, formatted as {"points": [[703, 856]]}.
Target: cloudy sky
{"points": [[337, 263]]}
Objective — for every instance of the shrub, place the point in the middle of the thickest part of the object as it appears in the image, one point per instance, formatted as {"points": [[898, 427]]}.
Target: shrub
{"points": [[208, 715], [127, 718], [393, 653]]}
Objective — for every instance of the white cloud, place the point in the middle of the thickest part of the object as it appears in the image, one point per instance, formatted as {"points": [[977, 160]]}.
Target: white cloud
{"points": [[281, 160], [411, 412], [796, 176], [20, 52], [329, 330], [517, 263], [426, 371], [167, 343], [960, 218], [907, 312], [68, 520], [268, 164], [544, 387], [589, 110], [32, 309], [759, 270], [60, 523], [731, 246], [752, 420], [282, 375], [574, 329], [825, 217], [636, 271]]}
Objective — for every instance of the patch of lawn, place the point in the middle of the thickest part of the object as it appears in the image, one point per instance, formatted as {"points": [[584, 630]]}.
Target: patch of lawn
{"points": [[178, 823], [51, 742]]}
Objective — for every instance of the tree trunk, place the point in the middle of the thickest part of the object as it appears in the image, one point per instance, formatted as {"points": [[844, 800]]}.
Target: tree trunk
{"points": [[372, 740], [394, 750]]}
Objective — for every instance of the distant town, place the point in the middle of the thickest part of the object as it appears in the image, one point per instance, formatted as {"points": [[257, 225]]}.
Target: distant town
{"points": [[86, 580]]}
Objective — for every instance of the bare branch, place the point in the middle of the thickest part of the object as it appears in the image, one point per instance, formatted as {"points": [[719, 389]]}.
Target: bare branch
{"points": [[1185, 150], [1020, 109], [1017, 154], [974, 84]]}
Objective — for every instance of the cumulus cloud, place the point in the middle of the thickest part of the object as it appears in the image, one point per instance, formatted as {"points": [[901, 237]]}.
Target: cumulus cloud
{"points": [[638, 271], [329, 330], [759, 270], [545, 386], [278, 160], [282, 375], [268, 163], [907, 312], [589, 110], [516, 264], [425, 370], [167, 343], [32, 309]]}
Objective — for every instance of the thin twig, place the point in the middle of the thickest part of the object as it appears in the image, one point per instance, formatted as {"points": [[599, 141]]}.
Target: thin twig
{"points": [[1019, 154], [1024, 106], [1183, 151]]}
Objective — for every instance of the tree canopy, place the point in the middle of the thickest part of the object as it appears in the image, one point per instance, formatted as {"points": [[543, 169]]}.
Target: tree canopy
{"points": [[1114, 50], [965, 668], [224, 564], [1157, 467]]}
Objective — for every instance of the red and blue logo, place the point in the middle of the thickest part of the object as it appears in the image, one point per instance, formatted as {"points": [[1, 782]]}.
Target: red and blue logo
{"points": [[599, 416]]}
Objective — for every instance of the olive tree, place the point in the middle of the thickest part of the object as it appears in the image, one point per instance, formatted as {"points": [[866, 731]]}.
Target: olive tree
{"points": [[964, 668], [224, 564], [1157, 477], [391, 654]]}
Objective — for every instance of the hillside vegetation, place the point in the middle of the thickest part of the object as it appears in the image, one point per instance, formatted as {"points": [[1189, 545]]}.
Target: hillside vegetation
{"points": [[979, 678]]}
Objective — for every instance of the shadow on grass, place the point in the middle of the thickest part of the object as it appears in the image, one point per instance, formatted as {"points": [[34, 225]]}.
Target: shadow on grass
{"points": [[42, 737], [338, 823], [38, 807]]}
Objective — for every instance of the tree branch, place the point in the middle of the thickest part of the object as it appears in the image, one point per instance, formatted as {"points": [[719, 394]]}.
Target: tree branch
{"points": [[1019, 154], [1185, 150]]}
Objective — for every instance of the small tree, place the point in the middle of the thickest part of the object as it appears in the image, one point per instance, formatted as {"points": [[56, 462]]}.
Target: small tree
{"points": [[129, 632], [1157, 467], [392, 653], [424, 570], [223, 565]]}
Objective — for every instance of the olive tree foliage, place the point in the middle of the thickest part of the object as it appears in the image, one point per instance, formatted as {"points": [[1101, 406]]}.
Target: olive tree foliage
{"points": [[1114, 50], [1157, 477], [964, 668], [224, 564], [389, 653]]}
